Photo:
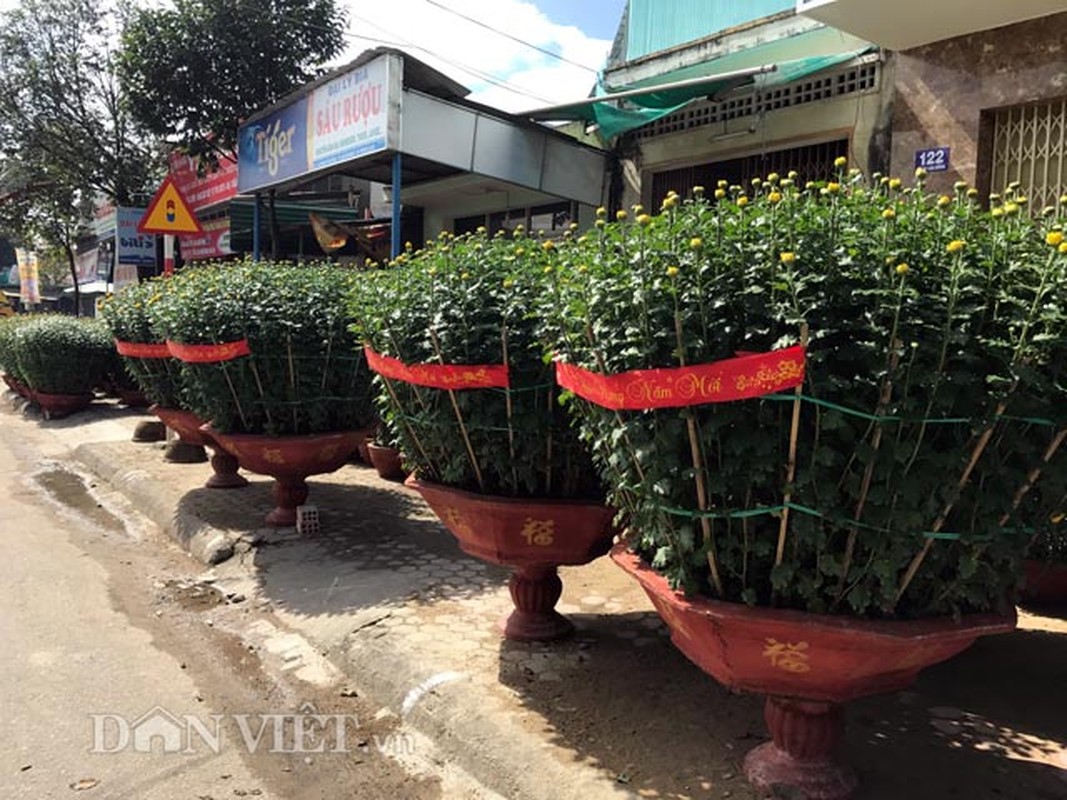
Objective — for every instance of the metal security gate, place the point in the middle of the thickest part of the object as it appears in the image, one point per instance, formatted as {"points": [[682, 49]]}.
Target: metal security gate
{"points": [[1028, 146], [811, 162]]}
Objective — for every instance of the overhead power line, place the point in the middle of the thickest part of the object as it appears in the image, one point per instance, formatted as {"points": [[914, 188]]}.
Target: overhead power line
{"points": [[507, 35], [473, 71]]}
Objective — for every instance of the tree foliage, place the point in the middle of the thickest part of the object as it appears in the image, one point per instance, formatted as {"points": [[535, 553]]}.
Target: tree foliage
{"points": [[62, 107], [196, 70]]}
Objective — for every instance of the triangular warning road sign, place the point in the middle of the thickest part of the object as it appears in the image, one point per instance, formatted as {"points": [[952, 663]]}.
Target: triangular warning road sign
{"points": [[169, 212]]}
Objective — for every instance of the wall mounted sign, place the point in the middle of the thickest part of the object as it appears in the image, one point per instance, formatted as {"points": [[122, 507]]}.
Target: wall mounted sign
{"points": [[933, 159]]}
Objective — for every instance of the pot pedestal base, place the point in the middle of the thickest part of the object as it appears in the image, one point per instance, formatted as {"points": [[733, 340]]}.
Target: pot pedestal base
{"points": [[535, 590], [182, 452], [800, 755], [224, 468], [149, 430], [288, 493]]}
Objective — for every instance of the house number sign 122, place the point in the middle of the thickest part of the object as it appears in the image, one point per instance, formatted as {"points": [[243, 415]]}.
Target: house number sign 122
{"points": [[933, 159]]}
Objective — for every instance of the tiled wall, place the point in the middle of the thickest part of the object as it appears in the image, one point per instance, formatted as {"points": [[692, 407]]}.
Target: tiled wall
{"points": [[943, 88]]}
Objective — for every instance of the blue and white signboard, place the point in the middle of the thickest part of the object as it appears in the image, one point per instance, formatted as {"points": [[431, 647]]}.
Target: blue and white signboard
{"points": [[933, 159], [273, 148], [353, 115], [133, 247], [349, 116]]}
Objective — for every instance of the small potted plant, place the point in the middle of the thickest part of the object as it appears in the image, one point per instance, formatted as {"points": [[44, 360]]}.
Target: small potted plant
{"points": [[62, 359], [157, 374], [831, 413], [267, 358], [383, 454], [450, 332]]}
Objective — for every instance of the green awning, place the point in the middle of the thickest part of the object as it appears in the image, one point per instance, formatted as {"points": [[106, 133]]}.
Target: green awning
{"points": [[795, 57]]}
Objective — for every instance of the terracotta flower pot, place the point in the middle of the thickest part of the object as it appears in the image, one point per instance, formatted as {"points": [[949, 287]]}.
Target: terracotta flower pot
{"points": [[189, 449], [532, 536], [362, 447], [387, 461], [189, 426], [808, 665], [60, 405], [1046, 583], [289, 460]]}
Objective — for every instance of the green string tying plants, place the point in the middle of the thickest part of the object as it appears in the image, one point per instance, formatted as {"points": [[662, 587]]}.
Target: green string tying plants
{"points": [[306, 373], [463, 301], [929, 423]]}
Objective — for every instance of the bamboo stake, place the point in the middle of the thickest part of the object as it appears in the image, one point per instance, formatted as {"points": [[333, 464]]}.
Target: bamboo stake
{"points": [[1034, 474], [411, 431], [236, 399], [976, 454], [459, 418], [292, 376], [865, 486], [548, 448], [791, 467], [262, 394], [508, 407], [697, 457]]}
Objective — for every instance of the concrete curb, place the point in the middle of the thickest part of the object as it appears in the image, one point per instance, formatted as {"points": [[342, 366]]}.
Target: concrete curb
{"points": [[205, 543], [447, 708], [493, 748]]}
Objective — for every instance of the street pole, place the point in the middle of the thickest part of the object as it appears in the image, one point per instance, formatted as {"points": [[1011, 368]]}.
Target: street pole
{"points": [[395, 222], [255, 227], [168, 254]]}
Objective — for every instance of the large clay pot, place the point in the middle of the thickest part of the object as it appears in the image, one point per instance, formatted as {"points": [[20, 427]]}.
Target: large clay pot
{"points": [[807, 665], [189, 426], [189, 448], [1046, 583], [532, 536], [289, 460], [60, 405], [387, 461]]}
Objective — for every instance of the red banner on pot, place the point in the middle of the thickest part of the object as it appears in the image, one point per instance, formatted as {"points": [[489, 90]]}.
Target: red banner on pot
{"points": [[439, 376], [141, 349], [741, 378], [208, 353]]}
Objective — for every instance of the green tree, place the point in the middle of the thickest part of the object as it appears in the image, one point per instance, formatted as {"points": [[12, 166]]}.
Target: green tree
{"points": [[40, 209], [194, 71], [61, 102]]}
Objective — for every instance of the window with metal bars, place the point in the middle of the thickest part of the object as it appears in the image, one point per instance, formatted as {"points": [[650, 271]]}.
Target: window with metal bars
{"points": [[861, 77], [1027, 146], [811, 163]]}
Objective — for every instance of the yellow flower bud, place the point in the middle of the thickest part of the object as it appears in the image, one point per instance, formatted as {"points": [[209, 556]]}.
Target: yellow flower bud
{"points": [[698, 191], [955, 245], [997, 212], [643, 219], [903, 269], [774, 197], [920, 173], [895, 183], [943, 201], [840, 162], [720, 194], [621, 214], [1063, 248], [672, 271], [601, 212], [833, 187], [1054, 238], [742, 201], [889, 213], [548, 245], [696, 243], [787, 257], [637, 208]]}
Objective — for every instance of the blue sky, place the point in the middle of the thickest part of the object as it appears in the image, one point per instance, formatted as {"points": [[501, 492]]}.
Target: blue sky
{"points": [[597, 18], [499, 71]]}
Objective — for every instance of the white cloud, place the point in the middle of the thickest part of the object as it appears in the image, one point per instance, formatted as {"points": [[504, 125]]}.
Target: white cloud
{"points": [[462, 49]]}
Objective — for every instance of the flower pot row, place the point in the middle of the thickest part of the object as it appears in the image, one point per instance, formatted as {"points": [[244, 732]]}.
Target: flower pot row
{"points": [[829, 417]]}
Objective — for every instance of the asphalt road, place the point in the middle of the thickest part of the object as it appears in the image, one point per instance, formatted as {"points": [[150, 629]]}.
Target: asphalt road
{"points": [[121, 677]]}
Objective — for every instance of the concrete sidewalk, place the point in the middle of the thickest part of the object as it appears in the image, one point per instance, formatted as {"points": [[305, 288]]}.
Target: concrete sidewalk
{"points": [[385, 594]]}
